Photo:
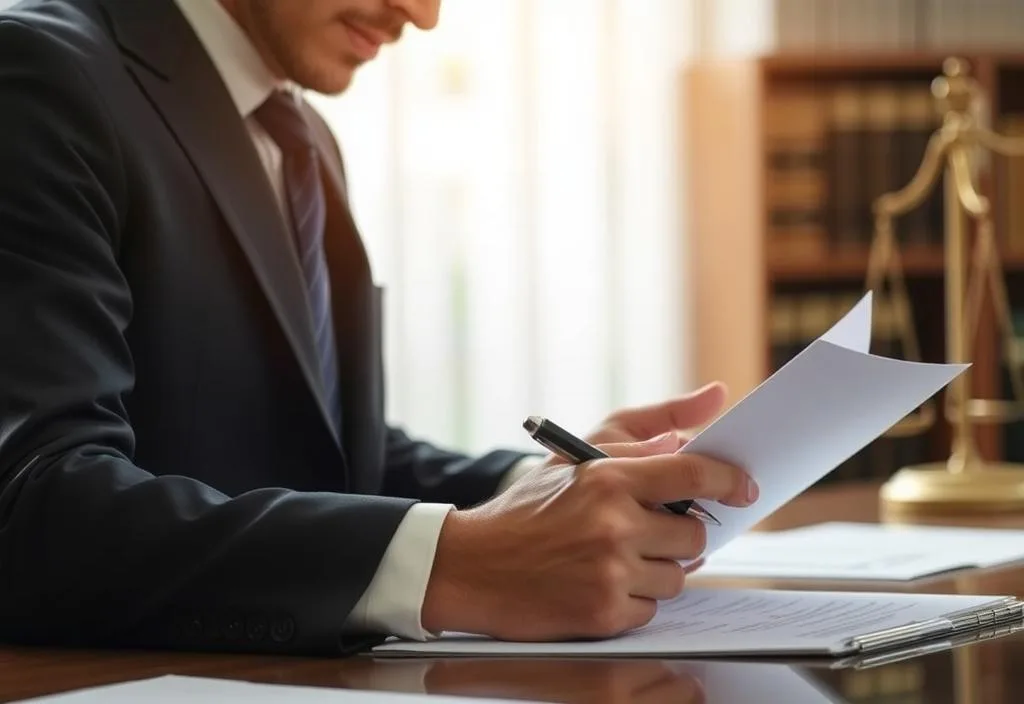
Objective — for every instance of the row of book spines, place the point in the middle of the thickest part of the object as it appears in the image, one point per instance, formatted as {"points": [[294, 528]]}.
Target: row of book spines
{"points": [[897, 24], [1013, 432], [832, 152], [796, 320], [802, 24], [1010, 196]]}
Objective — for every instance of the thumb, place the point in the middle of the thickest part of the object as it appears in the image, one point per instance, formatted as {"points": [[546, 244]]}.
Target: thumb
{"points": [[679, 413], [664, 444]]}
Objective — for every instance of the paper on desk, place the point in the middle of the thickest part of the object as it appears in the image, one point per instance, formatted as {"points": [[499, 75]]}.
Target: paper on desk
{"points": [[826, 404], [863, 551], [705, 622], [174, 689]]}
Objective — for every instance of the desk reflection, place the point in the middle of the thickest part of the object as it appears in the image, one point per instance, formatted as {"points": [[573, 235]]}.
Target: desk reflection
{"points": [[606, 681], [641, 681], [964, 670], [985, 671]]}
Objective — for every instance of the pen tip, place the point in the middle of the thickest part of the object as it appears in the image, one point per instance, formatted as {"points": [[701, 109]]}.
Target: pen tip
{"points": [[708, 517], [532, 424]]}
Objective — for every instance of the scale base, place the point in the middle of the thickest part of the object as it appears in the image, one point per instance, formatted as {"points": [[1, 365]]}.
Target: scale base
{"points": [[933, 491]]}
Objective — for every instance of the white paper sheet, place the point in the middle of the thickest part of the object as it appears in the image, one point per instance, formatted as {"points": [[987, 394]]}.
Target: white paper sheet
{"points": [[174, 689], [865, 551], [735, 622], [825, 405], [853, 330]]}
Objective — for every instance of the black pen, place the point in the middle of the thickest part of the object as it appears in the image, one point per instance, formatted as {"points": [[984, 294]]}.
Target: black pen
{"points": [[563, 443]]}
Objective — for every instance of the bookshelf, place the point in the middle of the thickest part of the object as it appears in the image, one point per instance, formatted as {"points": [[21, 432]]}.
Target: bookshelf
{"points": [[786, 154]]}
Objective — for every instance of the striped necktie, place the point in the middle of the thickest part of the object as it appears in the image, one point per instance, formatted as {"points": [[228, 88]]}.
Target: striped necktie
{"points": [[281, 117]]}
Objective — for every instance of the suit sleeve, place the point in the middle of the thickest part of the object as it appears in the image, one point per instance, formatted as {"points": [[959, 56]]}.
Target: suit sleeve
{"points": [[424, 471], [393, 603], [93, 549]]}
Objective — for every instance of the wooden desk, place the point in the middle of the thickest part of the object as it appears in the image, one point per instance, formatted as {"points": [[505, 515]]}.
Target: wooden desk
{"points": [[984, 673]]}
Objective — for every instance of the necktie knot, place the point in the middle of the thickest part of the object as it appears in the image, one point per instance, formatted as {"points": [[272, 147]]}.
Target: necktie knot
{"points": [[284, 121]]}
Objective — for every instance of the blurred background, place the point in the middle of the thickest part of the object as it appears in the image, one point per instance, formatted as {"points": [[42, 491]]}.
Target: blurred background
{"points": [[576, 205], [517, 177], [581, 204]]}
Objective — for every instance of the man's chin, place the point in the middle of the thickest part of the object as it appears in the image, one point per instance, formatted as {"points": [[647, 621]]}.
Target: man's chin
{"points": [[327, 79]]}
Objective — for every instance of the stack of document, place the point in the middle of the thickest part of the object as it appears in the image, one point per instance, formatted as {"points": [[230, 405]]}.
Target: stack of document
{"points": [[826, 404], [759, 622], [865, 552]]}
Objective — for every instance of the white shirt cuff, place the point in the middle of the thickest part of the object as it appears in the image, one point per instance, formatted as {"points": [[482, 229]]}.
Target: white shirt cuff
{"points": [[517, 471], [393, 602]]}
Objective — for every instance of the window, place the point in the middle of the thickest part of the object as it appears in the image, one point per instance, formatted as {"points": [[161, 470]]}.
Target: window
{"points": [[514, 175]]}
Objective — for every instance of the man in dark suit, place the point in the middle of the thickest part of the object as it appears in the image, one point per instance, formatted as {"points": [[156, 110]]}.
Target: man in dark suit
{"points": [[193, 447]]}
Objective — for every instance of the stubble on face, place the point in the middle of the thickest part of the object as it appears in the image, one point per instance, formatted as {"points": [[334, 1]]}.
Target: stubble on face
{"points": [[307, 41]]}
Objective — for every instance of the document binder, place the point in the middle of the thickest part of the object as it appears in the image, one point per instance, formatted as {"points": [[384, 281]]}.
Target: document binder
{"points": [[882, 658], [759, 623], [1005, 610]]}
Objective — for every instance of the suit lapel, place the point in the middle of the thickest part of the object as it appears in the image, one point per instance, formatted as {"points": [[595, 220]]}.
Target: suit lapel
{"points": [[174, 70]]}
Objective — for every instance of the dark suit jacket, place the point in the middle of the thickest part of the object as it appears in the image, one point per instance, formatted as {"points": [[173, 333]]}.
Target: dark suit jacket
{"points": [[168, 473]]}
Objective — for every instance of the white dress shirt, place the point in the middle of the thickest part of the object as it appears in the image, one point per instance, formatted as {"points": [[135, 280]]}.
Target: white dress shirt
{"points": [[393, 601]]}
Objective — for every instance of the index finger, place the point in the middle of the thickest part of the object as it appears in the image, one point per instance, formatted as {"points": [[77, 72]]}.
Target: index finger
{"points": [[660, 479]]}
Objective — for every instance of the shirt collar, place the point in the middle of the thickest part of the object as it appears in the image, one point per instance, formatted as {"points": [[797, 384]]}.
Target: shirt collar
{"points": [[243, 71]]}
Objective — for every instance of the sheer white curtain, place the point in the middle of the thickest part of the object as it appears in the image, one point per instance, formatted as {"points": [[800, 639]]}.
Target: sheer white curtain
{"points": [[516, 176]]}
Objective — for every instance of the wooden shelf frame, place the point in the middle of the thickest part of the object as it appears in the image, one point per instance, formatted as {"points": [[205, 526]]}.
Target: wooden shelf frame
{"points": [[853, 265], [734, 275]]}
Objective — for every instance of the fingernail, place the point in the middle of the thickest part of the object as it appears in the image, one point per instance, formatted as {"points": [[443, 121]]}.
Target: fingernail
{"points": [[752, 491], [659, 439]]}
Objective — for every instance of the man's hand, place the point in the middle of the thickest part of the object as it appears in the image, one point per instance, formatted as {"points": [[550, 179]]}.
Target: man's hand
{"points": [[577, 551], [678, 415]]}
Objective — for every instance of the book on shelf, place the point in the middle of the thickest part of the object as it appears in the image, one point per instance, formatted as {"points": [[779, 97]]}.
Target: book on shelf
{"points": [[796, 186], [1013, 358], [1010, 194], [831, 152], [803, 25], [817, 24]]}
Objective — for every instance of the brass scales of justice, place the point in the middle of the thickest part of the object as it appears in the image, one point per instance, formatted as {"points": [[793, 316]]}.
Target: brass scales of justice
{"points": [[966, 483]]}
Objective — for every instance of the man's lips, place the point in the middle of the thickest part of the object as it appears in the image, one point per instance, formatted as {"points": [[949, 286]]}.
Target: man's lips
{"points": [[366, 42]]}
